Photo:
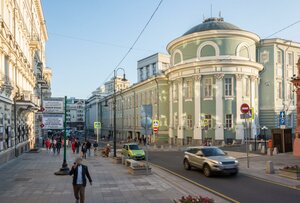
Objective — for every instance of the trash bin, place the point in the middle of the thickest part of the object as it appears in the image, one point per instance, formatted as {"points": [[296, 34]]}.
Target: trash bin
{"points": [[270, 143]]}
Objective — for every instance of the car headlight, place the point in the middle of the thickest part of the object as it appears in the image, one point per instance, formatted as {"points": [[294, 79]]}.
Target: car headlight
{"points": [[217, 162], [236, 161]]}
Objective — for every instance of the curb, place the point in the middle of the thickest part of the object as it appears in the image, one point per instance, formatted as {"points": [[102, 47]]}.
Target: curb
{"points": [[197, 184]]}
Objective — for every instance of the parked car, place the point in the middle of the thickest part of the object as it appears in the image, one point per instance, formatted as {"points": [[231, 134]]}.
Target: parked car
{"points": [[133, 151], [210, 159]]}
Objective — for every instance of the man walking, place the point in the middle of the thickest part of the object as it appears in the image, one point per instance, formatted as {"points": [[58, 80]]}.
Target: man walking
{"points": [[80, 172]]}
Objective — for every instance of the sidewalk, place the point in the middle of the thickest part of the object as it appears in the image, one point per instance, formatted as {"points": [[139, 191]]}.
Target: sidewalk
{"points": [[30, 178], [257, 167]]}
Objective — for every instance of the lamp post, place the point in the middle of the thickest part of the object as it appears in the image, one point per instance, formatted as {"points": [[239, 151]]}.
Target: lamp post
{"points": [[264, 128], [114, 103]]}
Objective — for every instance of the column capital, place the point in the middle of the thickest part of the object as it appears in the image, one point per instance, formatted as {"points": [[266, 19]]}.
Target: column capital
{"points": [[253, 77], [197, 77], [239, 76], [219, 76]]}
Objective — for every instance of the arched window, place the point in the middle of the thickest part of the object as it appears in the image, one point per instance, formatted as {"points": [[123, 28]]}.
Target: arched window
{"points": [[242, 50], [177, 57], [207, 49]]}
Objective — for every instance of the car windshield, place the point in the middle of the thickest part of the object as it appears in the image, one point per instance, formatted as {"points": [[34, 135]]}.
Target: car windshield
{"points": [[213, 152], [134, 147]]}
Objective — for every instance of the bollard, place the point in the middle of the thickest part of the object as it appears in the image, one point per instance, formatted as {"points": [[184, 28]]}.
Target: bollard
{"points": [[259, 146], [269, 167], [263, 149], [250, 148], [223, 143], [269, 152], [275, 151]]}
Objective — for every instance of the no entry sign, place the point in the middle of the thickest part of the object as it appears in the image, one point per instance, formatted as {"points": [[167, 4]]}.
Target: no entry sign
{"points": [[245, 108]]}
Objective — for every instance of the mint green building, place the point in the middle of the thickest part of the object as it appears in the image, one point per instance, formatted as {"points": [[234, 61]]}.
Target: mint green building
{"points": [[197, 90]]}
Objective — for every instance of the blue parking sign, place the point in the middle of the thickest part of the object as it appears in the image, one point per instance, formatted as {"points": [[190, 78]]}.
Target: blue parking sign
{"points": [[282, 118]]}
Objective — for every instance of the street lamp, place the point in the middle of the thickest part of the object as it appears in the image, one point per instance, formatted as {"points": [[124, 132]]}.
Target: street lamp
{"points": [[114, 103], [264, 128]]}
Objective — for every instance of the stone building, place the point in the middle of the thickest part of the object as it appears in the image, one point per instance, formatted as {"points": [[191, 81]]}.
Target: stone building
{"points": [[23, 74]]}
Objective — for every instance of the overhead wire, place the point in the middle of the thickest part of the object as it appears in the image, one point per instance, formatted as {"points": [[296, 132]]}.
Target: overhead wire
{"points": [[136, 40]]}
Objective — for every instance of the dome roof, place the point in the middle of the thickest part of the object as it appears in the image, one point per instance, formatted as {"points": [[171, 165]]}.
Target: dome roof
{"points": [[212, 24]]}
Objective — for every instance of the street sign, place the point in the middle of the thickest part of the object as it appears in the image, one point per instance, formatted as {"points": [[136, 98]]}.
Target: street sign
{"points": [[155, 130], [245, 108], [53, 105], [282, 118], [53, 121], [97, 125], [42, 125], [155, 123]]}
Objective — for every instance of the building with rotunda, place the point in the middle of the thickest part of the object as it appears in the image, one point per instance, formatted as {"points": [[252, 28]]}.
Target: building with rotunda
{"points": [[213, 69]]}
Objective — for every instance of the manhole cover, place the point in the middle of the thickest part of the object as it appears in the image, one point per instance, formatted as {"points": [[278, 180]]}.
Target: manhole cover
{"points": [[22, 179]]}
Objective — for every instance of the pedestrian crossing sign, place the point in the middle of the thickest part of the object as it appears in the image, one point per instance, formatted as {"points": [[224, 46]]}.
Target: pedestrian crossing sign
{"points": [[97, 125]]}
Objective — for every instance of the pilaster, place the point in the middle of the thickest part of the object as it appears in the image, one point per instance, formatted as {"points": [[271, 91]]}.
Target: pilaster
{"points": [[239, 102], [219, 129], [180, 109], [197, 108]]}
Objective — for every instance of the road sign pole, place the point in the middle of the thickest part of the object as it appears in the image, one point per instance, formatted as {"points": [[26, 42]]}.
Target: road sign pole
{"points": [[247, 144], [64, 169], [147, 158], [97, 131]]}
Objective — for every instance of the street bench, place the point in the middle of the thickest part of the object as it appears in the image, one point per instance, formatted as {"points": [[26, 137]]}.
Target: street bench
{"points": [[131, 163]]}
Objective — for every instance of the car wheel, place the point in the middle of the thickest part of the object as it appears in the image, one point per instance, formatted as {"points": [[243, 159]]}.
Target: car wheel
{"points": [[186, 164], [206, 170]]}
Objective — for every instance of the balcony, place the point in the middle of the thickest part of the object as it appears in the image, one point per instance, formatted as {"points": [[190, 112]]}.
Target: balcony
{"points": [[26, 100], [34, 41], [6, 85]]}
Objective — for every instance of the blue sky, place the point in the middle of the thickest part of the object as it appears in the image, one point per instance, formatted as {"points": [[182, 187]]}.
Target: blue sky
{"points": [[87, 39]]}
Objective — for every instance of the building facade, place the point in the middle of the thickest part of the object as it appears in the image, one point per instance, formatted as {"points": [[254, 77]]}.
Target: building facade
{"points": [[211, 70], [75, 114], [23, 35]]}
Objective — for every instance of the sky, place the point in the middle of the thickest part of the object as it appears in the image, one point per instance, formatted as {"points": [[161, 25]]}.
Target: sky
{"points": [[88, 39]]}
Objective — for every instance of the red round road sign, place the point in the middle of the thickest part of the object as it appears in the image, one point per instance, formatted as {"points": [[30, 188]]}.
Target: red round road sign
{"points": [[155, 130], [245, 108], [42, 125]]}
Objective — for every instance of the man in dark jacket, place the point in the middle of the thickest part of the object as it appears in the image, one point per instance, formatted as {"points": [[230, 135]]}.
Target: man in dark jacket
{"points": [[80, 172]]}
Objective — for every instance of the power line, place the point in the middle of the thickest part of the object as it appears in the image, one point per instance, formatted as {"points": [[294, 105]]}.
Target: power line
{"points": [[138, 37]]}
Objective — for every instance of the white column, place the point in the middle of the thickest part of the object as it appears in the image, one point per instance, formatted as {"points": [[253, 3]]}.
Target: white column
{"points": [[171, 117], [252, 104], [180, 114], [219, 129], [239, 101], [197, 99]]}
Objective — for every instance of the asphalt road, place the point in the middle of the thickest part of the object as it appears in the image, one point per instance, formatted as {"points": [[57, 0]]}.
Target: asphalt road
{"points": [[240, 188]]}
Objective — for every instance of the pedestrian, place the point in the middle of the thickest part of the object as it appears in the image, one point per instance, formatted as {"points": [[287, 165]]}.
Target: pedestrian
{"points": [[54, 146], [58, 146], [88, 147], [77, 145], [95, 145], [145, 140], [73, 146], [83, 150], [48, 145], [79, 172]]}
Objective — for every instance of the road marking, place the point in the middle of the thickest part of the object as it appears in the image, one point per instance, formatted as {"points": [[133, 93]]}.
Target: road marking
{"points": [[198, 184], [271, 182]]}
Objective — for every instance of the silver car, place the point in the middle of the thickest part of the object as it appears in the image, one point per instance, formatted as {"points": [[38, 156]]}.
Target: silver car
{"points": [[210, 160]]}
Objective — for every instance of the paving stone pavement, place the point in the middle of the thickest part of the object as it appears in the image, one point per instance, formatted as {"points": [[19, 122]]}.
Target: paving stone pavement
{"points": [[30, 179]]}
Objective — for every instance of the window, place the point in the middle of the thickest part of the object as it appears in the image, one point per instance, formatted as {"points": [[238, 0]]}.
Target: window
{"points": [[228, 121], [175, 119], [141, 74], [189, 121], [188, 89], [279, 95], [228, 87], [290, 59], [279, 57], [147, 72], [208, 50], [208, 119], [208, 87], [247, 89], [175, 93], [154, 68]]}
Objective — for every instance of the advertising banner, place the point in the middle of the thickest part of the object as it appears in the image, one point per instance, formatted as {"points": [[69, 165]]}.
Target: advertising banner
{"points": [[53, 105]]}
